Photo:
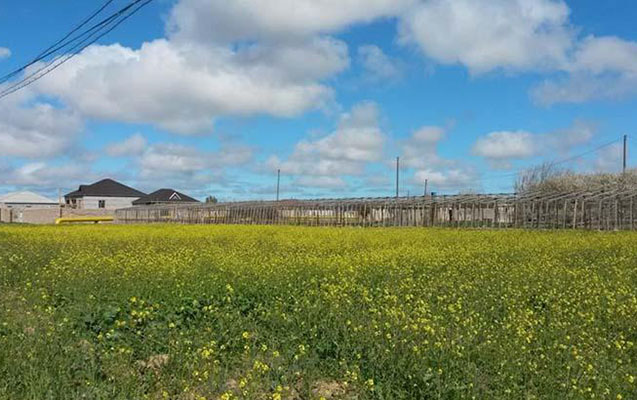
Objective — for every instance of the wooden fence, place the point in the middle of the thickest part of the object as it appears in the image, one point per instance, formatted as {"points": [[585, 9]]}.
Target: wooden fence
{"points": [[603, 210]]}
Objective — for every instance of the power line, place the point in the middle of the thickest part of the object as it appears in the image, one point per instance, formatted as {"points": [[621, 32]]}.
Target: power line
{"points": [[559, 162], [48, 51], [89, 36], [94, 33]]}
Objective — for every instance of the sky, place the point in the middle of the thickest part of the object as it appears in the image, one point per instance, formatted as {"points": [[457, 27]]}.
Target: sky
{"points": [[212, 97]]}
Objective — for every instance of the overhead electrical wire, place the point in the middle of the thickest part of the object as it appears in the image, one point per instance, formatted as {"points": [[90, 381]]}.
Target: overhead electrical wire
{"points": [[53, 47], [554, 163], [79, 42]]}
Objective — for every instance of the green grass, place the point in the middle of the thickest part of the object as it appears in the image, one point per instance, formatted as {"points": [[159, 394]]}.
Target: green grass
{"points": [[224, 312]]}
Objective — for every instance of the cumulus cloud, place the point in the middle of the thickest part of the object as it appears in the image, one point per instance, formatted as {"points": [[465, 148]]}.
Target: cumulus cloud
{"points": [[329, 182], [377, 65], [47, 176], [609, 159], [505, 145], [420, 150], [36, 130], [4, 52], [484, 35], [358, 140], [524, 35], [182, 88], [131, 146], [273, 20], [445, 179], [187, 166], [221, 58], [579, 133], [186, 159], [601, 68], [501, 147]]}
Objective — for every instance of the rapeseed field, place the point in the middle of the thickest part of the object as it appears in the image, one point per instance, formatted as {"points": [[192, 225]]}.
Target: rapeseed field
{"points": [[244, 312]]}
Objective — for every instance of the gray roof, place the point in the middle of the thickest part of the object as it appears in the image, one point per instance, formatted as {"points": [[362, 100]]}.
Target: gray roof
{"points": [[25, 198], [105, 188], [165, 196]]}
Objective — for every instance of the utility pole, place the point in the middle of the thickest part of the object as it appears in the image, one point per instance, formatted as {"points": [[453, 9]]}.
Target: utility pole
{"points": [[397, 175], [60, 202], [278, 183], [426, 181], [624, 158]]}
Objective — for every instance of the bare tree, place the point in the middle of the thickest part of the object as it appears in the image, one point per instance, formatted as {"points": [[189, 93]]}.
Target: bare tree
{"points": [[537, 177], [547, 178]]}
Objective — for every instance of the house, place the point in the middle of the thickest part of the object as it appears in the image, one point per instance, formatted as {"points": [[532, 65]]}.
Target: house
{"points": [[26, 200], [104, 194], [165, 196]]}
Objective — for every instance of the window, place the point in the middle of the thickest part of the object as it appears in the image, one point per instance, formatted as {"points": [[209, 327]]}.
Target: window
{"points": [[101, 204]]}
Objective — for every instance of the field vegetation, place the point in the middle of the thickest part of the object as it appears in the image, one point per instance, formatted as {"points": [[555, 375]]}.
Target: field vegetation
{"points": [[231, 312]]}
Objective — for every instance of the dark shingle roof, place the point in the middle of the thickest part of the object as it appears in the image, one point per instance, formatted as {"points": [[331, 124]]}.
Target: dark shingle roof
{"points": [[165, 196], [106, 188]]}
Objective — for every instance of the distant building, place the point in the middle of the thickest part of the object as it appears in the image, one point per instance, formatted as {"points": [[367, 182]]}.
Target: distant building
{"points": [[165, 196], [26, 200], [104, 194]]}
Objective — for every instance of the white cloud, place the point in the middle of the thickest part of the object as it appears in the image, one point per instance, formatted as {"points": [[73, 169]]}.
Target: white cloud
{"points": [[378, 65], [505, 145], [420, 150], [131, 146], [598, 55], [609, 159], [182, 88], [273, 20], [448, 178], [484, 35], [358, 140], [326, 182], [188, 168], [579, 133], [601, 68], [47, 176], [36, 130], [163, 159], [499, 148], [4, 53], [524, 35], [420, 153]]}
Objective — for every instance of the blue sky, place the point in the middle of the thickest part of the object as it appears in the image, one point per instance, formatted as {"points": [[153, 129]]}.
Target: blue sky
{"points": [[212, 98]]}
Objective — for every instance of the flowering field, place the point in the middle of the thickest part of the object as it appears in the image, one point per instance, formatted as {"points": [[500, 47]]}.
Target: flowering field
{"points": [[229, 312]]}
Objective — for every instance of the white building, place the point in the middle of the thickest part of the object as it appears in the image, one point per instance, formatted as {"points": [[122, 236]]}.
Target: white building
{"points": [[104, 194], [26, 200]]}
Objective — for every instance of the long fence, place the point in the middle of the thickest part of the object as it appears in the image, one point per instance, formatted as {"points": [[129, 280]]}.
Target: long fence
{"points": [[601, 209]]}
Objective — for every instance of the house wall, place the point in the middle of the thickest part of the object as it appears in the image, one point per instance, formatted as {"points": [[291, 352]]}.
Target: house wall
{"points": [[46, 215], [29, 205], [112, 203]]}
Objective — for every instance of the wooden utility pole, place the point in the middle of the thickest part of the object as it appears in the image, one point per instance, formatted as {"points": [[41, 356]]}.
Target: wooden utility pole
{"points": [[624, 157], [426, 181], [278, 183], [397, 175]]}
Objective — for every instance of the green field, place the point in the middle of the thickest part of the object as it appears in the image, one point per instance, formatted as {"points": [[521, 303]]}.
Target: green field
{"points": [[229, 312]]}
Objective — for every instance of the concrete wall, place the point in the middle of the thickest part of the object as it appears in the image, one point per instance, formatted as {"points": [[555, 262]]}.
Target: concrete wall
{"points": [[112, 203], [19, 205], [46, 215]]}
